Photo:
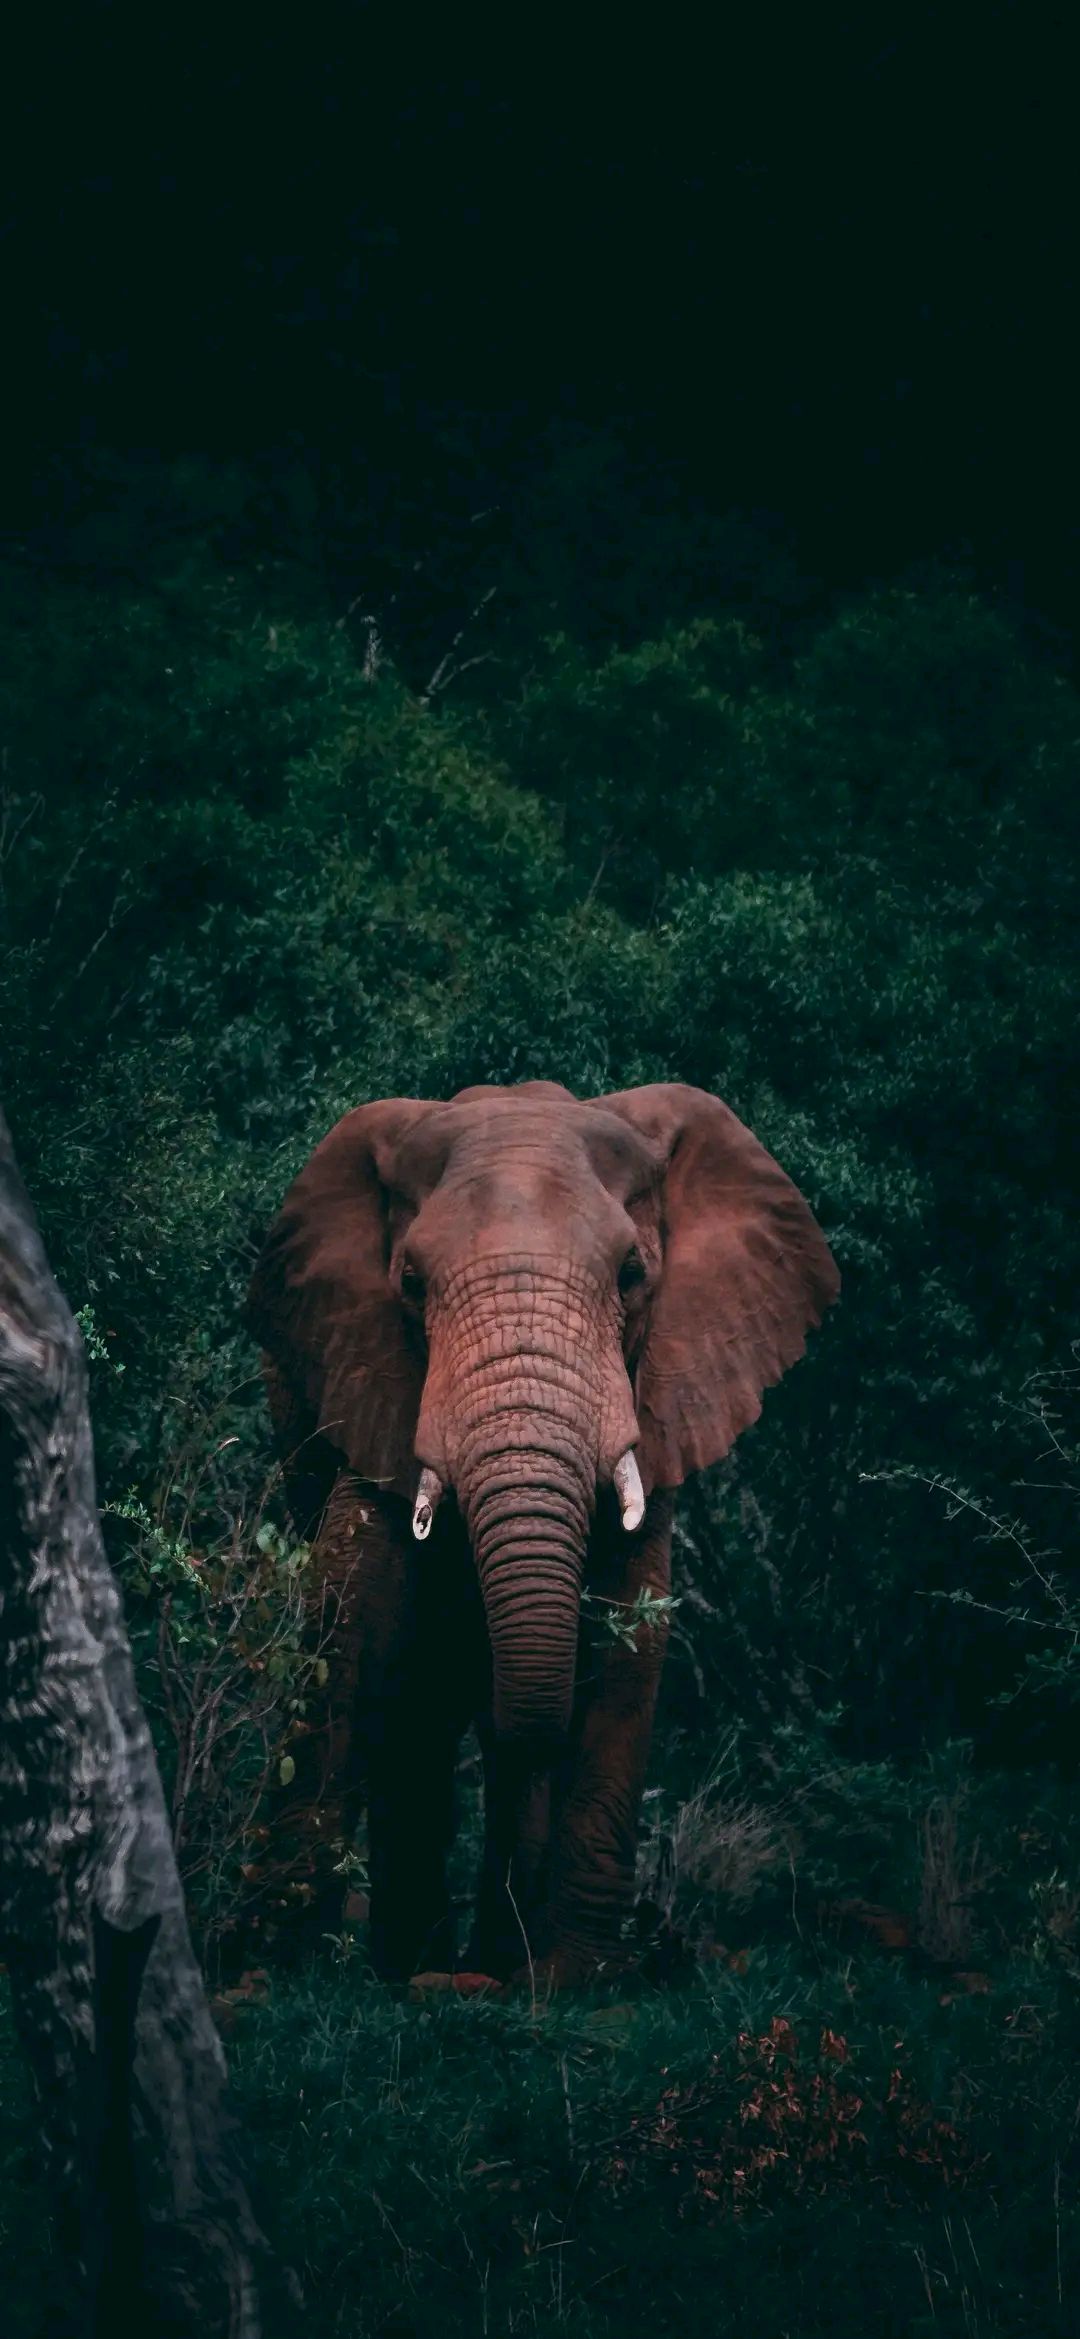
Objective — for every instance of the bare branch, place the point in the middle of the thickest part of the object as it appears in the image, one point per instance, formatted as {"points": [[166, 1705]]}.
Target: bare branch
{"points": [[448, 668], [10, 828]]}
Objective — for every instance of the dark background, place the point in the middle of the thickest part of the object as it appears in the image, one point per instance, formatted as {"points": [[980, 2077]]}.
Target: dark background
{"points": [[818, 267]]}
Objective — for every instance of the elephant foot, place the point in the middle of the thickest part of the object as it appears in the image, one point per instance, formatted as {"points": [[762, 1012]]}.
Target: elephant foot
{"points": [[463, 1985], [568, 1968]]}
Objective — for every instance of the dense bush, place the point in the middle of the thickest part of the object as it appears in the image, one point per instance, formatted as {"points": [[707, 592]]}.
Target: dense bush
{"points": [[244, 887]]}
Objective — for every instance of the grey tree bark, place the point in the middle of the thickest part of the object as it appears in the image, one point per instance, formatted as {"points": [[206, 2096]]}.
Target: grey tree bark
{"points": [[141, 2151]]}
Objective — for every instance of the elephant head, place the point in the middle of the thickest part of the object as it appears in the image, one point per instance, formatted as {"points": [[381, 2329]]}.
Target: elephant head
{"points": [[530, 1299]]}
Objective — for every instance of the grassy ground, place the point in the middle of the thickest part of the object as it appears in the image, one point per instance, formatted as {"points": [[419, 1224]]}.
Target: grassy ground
{"points": [[790, 2144]]}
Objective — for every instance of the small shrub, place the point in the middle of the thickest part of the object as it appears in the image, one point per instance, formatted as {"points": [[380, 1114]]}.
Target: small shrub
{"points": [[777, 2118], [706, 1859], [231, 1655], [954, 1875]]}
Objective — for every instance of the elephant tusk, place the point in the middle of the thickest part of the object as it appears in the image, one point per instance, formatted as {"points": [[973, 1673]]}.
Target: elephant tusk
{"points": [[631, 1494], [428, 1494]]}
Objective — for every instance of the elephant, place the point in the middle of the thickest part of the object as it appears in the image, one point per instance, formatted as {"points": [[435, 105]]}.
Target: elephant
{"points": [[498, 1332]]}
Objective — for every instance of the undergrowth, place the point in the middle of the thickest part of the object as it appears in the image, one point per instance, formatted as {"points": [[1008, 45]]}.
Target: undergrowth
{"points": [[793, 2144]]}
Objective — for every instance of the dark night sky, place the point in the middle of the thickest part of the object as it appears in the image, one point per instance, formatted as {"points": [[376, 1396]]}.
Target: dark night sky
{"points": [[831, 271]]}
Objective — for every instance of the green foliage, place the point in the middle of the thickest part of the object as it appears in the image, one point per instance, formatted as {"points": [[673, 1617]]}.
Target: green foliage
{"points": [[94, 1341], [216, 1612], [624, 1619], [243, 888], [1043, 1610]]}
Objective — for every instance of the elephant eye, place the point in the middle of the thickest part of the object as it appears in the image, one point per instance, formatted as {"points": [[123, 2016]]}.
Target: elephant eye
{"points": [[412, 1283], [632, 1271]]}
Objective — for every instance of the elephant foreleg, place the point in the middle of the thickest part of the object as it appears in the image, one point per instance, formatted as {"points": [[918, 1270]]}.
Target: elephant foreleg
{"points": [[595, 1837], [509, 1928], [410, 1804], [409, 1734]]}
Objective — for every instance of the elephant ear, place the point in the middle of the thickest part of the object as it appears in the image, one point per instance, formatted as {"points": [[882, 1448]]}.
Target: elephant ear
{"points": [[345, 1362], [746, 1272]]}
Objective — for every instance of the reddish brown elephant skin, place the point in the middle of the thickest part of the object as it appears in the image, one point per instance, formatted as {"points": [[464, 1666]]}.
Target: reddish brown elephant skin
{"points": [[511, 1289]]}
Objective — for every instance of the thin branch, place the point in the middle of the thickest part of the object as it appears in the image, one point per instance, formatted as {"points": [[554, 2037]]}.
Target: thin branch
{"points": [[77, 857], [119, 910], [447, 669], [999, 1530], [10, 830]]}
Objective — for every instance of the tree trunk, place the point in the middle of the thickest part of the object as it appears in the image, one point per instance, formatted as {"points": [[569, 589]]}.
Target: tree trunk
{"points": [[153, 2219]]}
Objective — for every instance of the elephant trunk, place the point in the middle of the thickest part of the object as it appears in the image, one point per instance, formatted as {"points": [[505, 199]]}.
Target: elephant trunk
{"points": [[523, 1369], [529, 1528]]}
